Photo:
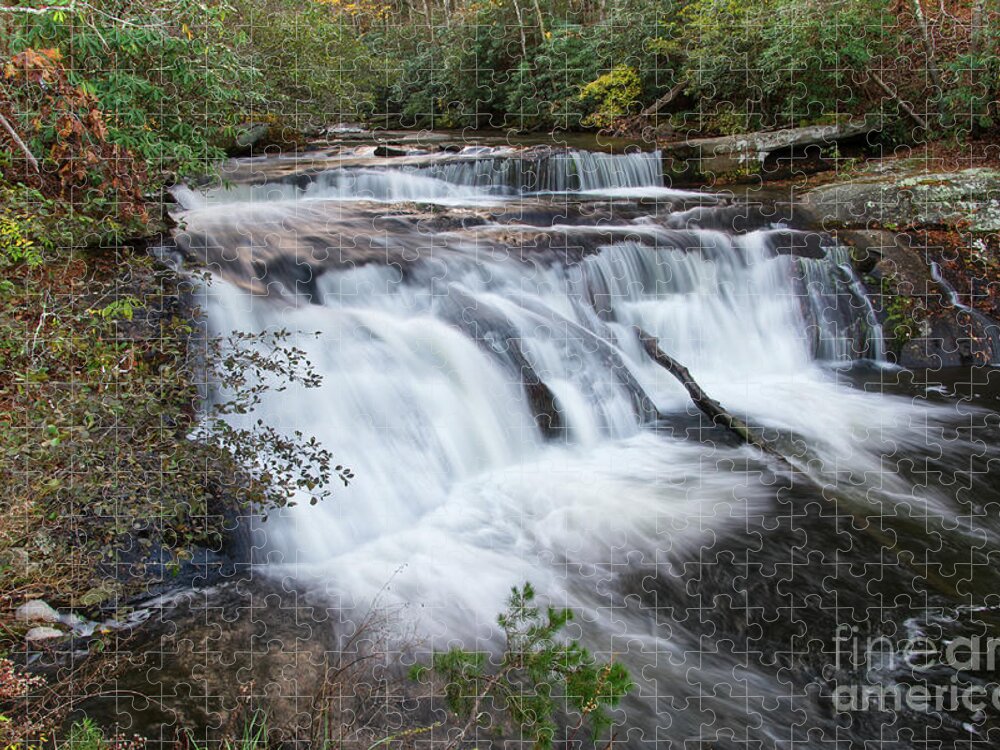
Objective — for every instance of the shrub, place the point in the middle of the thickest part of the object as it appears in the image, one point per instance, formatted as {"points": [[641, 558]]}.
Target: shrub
{"points": [[166, 77], [544, 89], [612, 96], [536, 675]]}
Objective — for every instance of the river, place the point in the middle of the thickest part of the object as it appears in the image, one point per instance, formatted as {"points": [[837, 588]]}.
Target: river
{"points": [[472, 313]]}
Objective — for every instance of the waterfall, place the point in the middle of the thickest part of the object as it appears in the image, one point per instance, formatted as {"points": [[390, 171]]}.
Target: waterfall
{"points": [[979, 323], [483, 379], [442, 368], [471, 177], [554, 171]]}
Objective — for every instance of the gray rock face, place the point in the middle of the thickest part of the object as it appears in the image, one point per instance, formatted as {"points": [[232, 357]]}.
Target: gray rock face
{"points": [[36, 610], [923, 329], [971, 196]]}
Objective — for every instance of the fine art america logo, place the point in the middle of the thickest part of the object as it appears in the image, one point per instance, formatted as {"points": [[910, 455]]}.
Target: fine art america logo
{"points": [[964, 672]]}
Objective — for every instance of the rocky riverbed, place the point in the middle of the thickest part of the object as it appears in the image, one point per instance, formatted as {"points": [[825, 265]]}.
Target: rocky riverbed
{"points": [[927, 245]]}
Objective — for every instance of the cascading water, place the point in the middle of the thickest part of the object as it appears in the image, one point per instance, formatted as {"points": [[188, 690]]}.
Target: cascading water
{"points": [[483, 379], [979, 324]]}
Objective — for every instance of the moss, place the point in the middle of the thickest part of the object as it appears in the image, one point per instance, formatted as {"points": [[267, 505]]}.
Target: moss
{"points": [[899, 313]]}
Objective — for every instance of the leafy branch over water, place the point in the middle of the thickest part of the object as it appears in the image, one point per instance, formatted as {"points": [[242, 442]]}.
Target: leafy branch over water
{"points": [[275, 466]]}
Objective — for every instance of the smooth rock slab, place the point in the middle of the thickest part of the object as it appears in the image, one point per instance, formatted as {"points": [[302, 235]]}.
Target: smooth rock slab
{"points": [[745, 154], [36, 610], [43, 633]]}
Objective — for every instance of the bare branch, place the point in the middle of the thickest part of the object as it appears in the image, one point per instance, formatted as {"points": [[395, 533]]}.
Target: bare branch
{"points": [[36, 11], [19, 143], [705, 403], [903, 105]]}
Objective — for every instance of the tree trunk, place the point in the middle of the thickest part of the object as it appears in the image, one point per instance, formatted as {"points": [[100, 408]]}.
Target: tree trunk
{"points": [[976, 30], [708, 406], [663, 101], [910, 112], [541, 19], [520, 27], [932, 69]]}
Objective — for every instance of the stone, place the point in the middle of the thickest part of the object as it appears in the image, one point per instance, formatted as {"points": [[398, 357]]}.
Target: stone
{"points": [[36, 610], [970, 197], [384, 151], [42, 633]]}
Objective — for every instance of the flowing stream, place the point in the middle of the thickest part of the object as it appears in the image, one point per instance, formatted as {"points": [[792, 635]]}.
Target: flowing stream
{"points": [[472, 315]]}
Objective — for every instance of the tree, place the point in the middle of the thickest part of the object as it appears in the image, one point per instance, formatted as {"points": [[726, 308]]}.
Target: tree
{"points": [[537, 676]]}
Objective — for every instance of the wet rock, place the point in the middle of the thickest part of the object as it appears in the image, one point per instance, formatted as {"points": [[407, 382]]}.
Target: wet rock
{"points": [[922, 328], [41, 634], [298, 653], [385, 151], [867, 247], [36, 610], [799, 244], [941, 340]]}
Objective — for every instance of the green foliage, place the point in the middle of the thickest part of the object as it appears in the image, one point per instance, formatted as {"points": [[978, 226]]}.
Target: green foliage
{"points": [[744, 64], [167, 76], [16, 239], [34, 227], [475, 61], [538, 675], [306, 60], [474, 73], [252, 737], [120, 309], [85, 734], [613, 96], [104, 406], [972, 80], [900, 313], [543, 91], [766, 63]]}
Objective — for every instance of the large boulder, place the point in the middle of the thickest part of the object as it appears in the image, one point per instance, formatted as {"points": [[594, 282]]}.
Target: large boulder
{"points": [[42, 634], [970, 198], [923, 328]]}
